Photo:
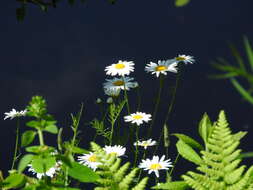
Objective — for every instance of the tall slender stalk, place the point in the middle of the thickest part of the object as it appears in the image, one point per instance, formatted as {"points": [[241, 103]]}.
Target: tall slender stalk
{"points": [[16, 146], [136, 147], [125, 95], [41, 139], [161, 79]]}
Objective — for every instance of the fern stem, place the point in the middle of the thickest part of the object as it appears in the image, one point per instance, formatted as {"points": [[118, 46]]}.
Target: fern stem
{"points": [[161, 79], [16, 146]]}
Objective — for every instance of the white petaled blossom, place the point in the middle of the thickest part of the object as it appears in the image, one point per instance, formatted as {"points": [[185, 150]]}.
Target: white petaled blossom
{"points": [[50, 172], [138, 118], [91, 160], [120, 83], [162, 67], [116, 149], [13, 113], [185, 59], [112, 91], [145, 144], [155, 164], [121, 68]]}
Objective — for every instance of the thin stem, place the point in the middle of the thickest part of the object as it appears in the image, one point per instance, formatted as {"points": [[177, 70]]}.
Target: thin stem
{"points": [[170, 105], [156, 105], [125, 95], [177, 157], [111, 135], [143, 157], [138, 98], [16, 146], [136, 147], [41, 139]]}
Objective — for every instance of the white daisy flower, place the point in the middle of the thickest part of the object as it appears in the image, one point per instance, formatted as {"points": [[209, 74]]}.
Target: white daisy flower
{"points": [[155, 164], [184, 58], [116, 149], [162, 67], [121, 68], [109, 100], [145, 144], [112, 91], [119, 83], [138, 118], [50, 172], [91, 160], [13, 113]]}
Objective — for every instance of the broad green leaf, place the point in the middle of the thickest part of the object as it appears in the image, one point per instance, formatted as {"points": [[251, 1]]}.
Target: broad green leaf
{"points": [[14, 181], [188, 140], [242, 91], [40, 149], [205, 125], [27, 137], [188, 153], [25, 160], [79, 150], [34, 124], [249, 51], [64, 159], [176, 185], [180, 3], [51, 129], [245, 155], [41, 165], [82, 173]]}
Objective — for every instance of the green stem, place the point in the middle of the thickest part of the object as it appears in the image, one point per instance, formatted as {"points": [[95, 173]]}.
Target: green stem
{"points": [[143, 157], [174, 164], [171, 104], [125, 96], [41, 139], [138, 99], [136, 147], [156, 105], [16, 146], [111, 135]]}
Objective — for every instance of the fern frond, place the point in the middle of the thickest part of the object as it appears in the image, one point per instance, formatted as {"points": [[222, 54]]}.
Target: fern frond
{"points": [[125, 183], [121, 172], [141, 185]]}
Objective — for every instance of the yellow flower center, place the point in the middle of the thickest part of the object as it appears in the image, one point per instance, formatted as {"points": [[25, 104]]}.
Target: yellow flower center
{"points": [[145, 144], [120, 66], [155, 166], [118, 83], [160, 68], [137, 116], [92, 158], [180, 58]]}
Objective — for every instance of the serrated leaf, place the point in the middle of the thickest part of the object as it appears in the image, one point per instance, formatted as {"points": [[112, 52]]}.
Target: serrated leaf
{"points": [[188, 153], [180, 3], [27, 137], [25, 160], [41, 165], [188, 140], [51, 129], [82, 173], [14, 181]]}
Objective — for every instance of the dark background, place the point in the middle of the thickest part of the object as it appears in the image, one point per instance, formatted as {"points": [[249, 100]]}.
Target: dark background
{"points": [[62, 54]]}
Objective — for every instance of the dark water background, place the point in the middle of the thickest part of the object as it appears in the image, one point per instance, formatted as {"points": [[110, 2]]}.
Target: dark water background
{"points": [[62, 54]]}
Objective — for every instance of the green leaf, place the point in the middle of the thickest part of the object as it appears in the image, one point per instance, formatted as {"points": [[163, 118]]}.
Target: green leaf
{"points": [[27, 138], [14, 181], [205, 126], [51, 129], [237, 56], [224, 76], [181, 3], [64, 159], [245, 155], [34, 124], [249, 51], [79, 150], [25, 160], [238, 136], [188, 140], [242, 91], [41, 165], [188, 153], [82, 173], [176, 185], [40, 149]]}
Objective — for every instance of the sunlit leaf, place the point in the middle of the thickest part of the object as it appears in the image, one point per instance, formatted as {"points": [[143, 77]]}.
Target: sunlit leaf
{"points": [[27, 137], [14, 181], [180, 3], [41, 164], [25, 160], [188, 140]]}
